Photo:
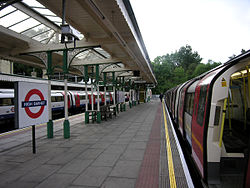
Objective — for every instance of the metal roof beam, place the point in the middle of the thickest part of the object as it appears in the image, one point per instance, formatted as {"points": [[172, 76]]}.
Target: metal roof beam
{"points": [[59, 47], [126, 74], [97, 62], [118, 69]]}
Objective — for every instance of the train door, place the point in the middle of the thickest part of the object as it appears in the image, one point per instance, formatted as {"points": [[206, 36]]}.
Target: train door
{"points": [[90, 101], [72, 99], [188, 111], [69, 100], [198, 121], [173, 104], [111, 98], [77, 99], [177, 103], [180, 111], [102, 98], [247, 171], [236, 129]]}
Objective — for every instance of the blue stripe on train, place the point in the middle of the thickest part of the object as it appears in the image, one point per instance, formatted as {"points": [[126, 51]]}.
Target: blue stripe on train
{"points": [[6, 116], [57, 109]]}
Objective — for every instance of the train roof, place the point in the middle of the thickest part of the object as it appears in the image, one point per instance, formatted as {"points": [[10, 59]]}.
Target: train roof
{"points": [[16, 78], [244, 56], [6, 91], [6, 95]]}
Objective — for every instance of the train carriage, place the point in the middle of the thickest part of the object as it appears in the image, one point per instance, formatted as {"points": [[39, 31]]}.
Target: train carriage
{"points": [[213, 113], [76, 102], [6, 105]]}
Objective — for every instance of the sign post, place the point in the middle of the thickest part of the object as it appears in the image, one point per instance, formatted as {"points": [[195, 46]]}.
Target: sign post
{"points": [[32, 106], [34, 138]]}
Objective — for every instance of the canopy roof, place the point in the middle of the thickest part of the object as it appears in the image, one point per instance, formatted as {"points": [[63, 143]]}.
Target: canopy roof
{"points": [[107, 30]]}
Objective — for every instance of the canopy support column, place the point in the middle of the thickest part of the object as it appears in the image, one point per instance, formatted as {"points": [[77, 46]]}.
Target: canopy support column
{"points": [[130, 94], [98, 119], [49, 72], [66, 124], [86, 78], [123, 85], [92, 96], [105, 89], [113, 76]]}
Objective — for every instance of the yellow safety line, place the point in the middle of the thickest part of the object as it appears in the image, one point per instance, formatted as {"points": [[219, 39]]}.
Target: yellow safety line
{"points": [[169, 153], [12, 132]]}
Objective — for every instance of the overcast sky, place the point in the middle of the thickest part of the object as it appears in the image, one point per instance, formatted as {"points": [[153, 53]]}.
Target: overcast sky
{"points": [[216, 29]]}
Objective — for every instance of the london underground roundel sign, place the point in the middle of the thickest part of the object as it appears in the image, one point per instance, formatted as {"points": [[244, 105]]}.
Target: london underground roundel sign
{"points": [[27, 103], [32, 104]]}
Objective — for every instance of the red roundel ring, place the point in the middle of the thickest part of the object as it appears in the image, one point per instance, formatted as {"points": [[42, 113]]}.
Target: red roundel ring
{"points": [[27, 110]]}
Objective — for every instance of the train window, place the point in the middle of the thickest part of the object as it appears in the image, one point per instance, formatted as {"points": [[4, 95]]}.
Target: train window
{"points": [[6, 102], [59, 98], [217, 115], [53, 99], [189, 103], [180, 98], [201, 105], [82, 97]]}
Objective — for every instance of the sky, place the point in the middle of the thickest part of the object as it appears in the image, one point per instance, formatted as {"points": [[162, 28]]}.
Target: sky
{"points": [[216, 29]]}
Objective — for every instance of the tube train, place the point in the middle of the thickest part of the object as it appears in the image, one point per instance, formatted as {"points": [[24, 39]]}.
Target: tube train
{"points": [[212, 114], [76, 102]]}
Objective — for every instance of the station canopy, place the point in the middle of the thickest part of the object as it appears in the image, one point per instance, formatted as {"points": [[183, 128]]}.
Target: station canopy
{"points": [[107, 32]]}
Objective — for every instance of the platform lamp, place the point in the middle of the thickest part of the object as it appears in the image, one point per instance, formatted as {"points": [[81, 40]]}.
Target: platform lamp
{"points": [[71, 35]]}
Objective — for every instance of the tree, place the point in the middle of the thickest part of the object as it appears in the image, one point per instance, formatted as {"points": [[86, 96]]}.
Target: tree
{"points": [[243, 51], [176, 68], [202, 68], [26, 70], [185, 57], [179, 76]]}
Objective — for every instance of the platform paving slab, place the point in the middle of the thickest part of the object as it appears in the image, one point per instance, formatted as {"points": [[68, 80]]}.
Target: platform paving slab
{"points": [[115, 149], [104, 155], [91, 153], [20, 184], [93, 176], [57, 181], [106, 160], [39, 174], [126, 169], [113, 182], [133, 155], [75, 166]]}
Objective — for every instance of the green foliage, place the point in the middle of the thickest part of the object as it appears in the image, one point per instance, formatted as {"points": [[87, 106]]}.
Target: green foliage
{"points": [[201, 68], [26, 70], [175, 68]]}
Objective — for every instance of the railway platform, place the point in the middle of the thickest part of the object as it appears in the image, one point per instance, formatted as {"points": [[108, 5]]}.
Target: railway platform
{"points": [[138, 149]]}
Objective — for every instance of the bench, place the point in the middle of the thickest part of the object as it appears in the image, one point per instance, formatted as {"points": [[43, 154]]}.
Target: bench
{"points": [[105, 112], [92, 115], [112, 109]]}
